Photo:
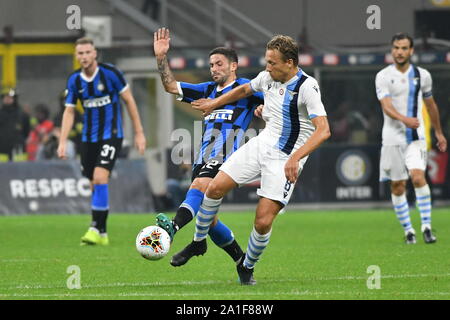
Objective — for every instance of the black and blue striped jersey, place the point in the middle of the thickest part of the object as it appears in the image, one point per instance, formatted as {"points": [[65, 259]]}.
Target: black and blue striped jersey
{"points": [[100, 98], [224, 128]]}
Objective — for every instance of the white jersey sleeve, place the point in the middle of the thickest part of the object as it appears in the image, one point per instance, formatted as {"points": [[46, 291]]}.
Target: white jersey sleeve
{"points": [[427, 83], [310, 96], [382, 86], [257, 84]]}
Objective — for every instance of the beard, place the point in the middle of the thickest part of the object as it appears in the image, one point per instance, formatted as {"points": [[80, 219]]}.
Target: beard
{"points": [[402, 63], [220, 80]]}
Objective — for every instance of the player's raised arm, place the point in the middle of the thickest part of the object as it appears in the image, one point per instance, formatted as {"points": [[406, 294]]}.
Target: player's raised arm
{"points": [[208, 105], [139, 137], [161, 45]]}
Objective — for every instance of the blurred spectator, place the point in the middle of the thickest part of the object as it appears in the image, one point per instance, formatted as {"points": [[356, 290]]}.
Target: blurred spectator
{"points": [[177, 187], [43, 128], [77, 128], [14, 124], [49, 145], [340, 123]]}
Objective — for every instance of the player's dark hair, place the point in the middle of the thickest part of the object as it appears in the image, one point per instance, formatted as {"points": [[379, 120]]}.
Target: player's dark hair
{"points": [[84, 40], [401, 36], [229, 53], [286, 46]]}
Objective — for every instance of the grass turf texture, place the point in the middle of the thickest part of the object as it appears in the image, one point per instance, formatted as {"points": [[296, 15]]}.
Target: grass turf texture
{"points": [[312, 255]]}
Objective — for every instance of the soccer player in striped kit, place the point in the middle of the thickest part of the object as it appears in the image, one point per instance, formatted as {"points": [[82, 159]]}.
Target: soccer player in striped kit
{"points": [[296, 125], [99, 87], [401, 87], [223, 133]]}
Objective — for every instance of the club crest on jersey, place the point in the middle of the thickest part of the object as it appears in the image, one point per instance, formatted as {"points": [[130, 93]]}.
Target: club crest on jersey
{"points": [[100, 86], [281, 92], [220, 115]]}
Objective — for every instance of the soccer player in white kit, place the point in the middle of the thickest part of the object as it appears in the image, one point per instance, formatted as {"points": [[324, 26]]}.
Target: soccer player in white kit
{"points": [[296, 124], [401, 88]]}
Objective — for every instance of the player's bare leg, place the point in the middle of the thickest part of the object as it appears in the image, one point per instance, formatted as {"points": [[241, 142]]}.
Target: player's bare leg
{"points": [[423, 201]]}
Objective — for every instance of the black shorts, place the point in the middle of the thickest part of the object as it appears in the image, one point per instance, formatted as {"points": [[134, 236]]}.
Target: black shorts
{"points": [[206, 170], [99, 154]]}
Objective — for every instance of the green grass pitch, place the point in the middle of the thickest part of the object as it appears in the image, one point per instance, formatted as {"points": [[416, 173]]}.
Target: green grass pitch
{"points": [[311, 255]]}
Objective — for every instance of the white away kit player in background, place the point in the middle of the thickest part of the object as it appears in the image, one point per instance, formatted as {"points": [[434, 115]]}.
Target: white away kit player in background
{"points": [[401, 88]]}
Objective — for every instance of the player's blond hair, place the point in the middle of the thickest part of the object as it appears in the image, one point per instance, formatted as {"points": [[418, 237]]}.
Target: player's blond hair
{"points": [[286, 46], [84, 40]]}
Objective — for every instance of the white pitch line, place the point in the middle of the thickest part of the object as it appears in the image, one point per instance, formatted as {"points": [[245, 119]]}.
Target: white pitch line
{"points": [[213, 282], [248, 294], [27, 260]]}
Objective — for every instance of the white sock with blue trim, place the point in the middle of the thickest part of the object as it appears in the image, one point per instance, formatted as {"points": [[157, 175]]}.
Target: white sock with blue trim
{"points": [[256, 245], [205, 217], [401, 209], [423, 202]]}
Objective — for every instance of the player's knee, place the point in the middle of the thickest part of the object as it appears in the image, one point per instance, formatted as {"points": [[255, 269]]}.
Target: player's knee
{"points": [[263, 224], [398, 188], [200, 184], [418, 180], [215, 190], [99, 179]]}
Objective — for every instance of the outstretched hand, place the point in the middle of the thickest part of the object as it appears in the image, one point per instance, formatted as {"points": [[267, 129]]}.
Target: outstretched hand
{"points": [[291, 170], [259, 110], [204, 105], [441, 142], [161, 42], [140, 142]]}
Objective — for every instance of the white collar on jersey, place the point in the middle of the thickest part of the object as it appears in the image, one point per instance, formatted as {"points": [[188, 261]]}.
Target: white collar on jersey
{"points": [[230, 84], [86, 78], [403, 73], [294, 78]]}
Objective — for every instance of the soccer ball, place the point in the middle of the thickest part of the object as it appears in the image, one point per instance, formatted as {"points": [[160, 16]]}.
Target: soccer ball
{"points": [[153, 243]]}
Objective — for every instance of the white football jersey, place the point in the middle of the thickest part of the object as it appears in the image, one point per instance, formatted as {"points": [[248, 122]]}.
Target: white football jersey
{"points": [[288, 109], [406, 91]]}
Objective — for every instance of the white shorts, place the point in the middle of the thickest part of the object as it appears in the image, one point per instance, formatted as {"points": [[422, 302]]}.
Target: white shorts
{"points": [[397, 161], [256, 160]]}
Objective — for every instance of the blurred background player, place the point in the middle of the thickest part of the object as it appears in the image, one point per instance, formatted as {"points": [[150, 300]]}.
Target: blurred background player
{"points": [[14, 124], [99, 87], [401, 87], [220, 128], [41, 130], [296, 124]]}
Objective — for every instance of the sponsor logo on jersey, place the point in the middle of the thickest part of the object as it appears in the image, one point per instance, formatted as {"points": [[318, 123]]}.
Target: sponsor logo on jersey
{"points": [[220, 115], [97, 102]]}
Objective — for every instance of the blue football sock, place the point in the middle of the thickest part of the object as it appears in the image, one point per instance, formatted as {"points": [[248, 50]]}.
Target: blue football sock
{"points": [[221, 235], [194, 198], [100, 207], [100, 199], [189, 208]]}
